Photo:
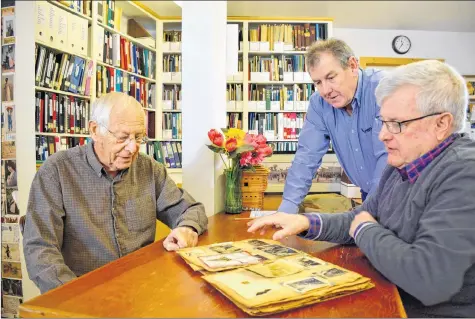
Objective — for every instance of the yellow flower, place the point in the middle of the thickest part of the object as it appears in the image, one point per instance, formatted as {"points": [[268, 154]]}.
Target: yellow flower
{"points": [[237, 134]]}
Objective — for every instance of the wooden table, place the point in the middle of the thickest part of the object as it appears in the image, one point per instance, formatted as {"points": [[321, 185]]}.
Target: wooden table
{"points": [[152, 282]]}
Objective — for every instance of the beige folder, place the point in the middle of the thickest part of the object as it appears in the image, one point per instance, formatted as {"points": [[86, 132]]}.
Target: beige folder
{"points": [[61, 31], [41, 21]]}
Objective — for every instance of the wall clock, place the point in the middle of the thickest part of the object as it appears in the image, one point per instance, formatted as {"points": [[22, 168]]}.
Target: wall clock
{"points": [[401, 44]]}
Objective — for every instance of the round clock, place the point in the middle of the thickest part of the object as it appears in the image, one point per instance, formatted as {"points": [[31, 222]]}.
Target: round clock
{"points": [[401, 44]]}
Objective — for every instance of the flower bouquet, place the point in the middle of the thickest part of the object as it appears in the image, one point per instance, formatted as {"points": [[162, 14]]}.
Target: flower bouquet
{"points": [[242, 151]]}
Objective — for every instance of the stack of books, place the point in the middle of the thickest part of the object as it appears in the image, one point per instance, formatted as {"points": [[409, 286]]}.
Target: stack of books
{"points": [[264, 277]]}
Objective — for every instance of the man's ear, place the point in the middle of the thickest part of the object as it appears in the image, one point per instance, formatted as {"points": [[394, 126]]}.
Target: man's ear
{"points": [[93, 127], [444, 124], [353, 65]]}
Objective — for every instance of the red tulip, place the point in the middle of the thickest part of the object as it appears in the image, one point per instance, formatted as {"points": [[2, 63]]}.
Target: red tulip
{"points": [[231, 144], [246, 158], [216, 137]]}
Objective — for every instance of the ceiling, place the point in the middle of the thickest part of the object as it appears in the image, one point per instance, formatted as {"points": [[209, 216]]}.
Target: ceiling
{"points": [[458, 16]]}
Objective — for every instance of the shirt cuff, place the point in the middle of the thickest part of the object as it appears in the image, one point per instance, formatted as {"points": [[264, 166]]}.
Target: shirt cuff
{"points": [[360, 227], [315, 228], [288, 207]]}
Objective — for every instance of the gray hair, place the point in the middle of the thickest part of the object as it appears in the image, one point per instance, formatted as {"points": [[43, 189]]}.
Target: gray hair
{"points": [[102, 108], [442, 88], [338, 48]]}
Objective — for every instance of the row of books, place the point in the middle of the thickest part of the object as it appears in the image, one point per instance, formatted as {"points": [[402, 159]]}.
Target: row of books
{"points": [[121, 53], [294, 92], [234, 92], [234, 120], [172, 63], [294, 36], [109, 79], [57, 113], [172, 36], [171, 126], [277, 66], [166, 152], [48, 145], [171, 97], [276, 126], [58, 28], [289, 147], [62, 71], [108, 13], [81, 6]]}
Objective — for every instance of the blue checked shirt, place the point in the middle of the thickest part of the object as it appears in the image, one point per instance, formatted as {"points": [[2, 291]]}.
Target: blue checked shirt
{"points": [[355, 141]]}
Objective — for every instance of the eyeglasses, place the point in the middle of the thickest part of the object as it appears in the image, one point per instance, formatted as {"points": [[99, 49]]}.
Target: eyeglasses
{"points": [[395, 127], [141, 139]]}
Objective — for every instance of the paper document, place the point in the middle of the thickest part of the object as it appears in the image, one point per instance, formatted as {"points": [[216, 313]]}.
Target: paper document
{"points": [[261, 213]]}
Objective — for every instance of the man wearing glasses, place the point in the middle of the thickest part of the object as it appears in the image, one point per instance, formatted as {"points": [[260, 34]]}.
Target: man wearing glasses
{"points": [[419, 228], [92, 204], [343, 112]]}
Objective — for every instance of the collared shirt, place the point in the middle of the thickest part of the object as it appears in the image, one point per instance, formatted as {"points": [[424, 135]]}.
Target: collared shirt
{"points": [[355, 141], [414, 169], [79, 218]]}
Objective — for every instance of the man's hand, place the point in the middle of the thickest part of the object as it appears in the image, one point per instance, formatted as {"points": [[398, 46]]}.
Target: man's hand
{"points": [[180, 237], [289, 224], [360, 218]]}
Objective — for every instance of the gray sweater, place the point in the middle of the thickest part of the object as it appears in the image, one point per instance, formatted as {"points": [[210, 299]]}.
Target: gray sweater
{"points": [[424, 241]]}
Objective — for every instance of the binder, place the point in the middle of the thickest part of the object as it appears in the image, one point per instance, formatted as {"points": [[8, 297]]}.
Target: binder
{"points": [[73, 33], [41, 21], [62, 29], [52, 25], [82, 36]]}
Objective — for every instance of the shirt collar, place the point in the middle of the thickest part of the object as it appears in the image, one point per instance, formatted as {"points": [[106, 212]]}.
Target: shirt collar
{"points": [[359, 90], [92, 159], [414, 169]]}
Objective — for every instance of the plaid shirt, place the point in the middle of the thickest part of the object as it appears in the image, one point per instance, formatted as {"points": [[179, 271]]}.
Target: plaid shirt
{"points": [[413, 170], [410, 171], [79, 218]]}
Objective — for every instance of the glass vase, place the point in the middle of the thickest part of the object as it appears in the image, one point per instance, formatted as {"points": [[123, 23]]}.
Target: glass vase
{"points": [[233, 194]]}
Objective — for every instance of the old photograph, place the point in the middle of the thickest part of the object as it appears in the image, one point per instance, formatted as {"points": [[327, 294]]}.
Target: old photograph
{"points": [[10, 252], [308, 262], [229, 260], [11, 202], [10, 174], [333, 272], [277, 250], [8, 58], [225, 249], [306, 284], [7, 88], [11, 270], [12, 287]]}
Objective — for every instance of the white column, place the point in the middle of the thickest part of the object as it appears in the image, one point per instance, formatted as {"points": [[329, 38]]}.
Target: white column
{"points": [[203, 99], [24, 94]]}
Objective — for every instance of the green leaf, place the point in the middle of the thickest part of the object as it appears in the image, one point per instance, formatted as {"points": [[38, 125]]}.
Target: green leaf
{"points": [[225, 130], [216, 149], [244, 148]]}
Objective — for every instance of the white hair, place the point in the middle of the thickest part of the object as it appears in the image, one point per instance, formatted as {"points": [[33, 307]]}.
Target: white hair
{"points": [[442, 88], [102, 107]]}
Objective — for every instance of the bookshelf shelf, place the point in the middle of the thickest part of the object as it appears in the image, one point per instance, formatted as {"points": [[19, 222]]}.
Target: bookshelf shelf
{"points": [[171, 111], [71, 10], [149, 109], [276, 52], [472, 97], [61, 134], [172, 82], [279, 82], [62, 50], [39, 88], [125, 36], [125, 71], [280, 111]]}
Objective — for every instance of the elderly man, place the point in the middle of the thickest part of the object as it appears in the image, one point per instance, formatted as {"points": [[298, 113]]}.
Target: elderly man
{"points": [[419, 228], [92, 204], [343, 111]]}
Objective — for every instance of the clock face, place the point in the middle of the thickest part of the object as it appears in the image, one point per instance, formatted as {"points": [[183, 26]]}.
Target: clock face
{"points": [[401, 44]]}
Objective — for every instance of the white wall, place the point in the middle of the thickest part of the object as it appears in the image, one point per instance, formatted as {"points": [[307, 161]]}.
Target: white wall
{"points": [[457, 48]]}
